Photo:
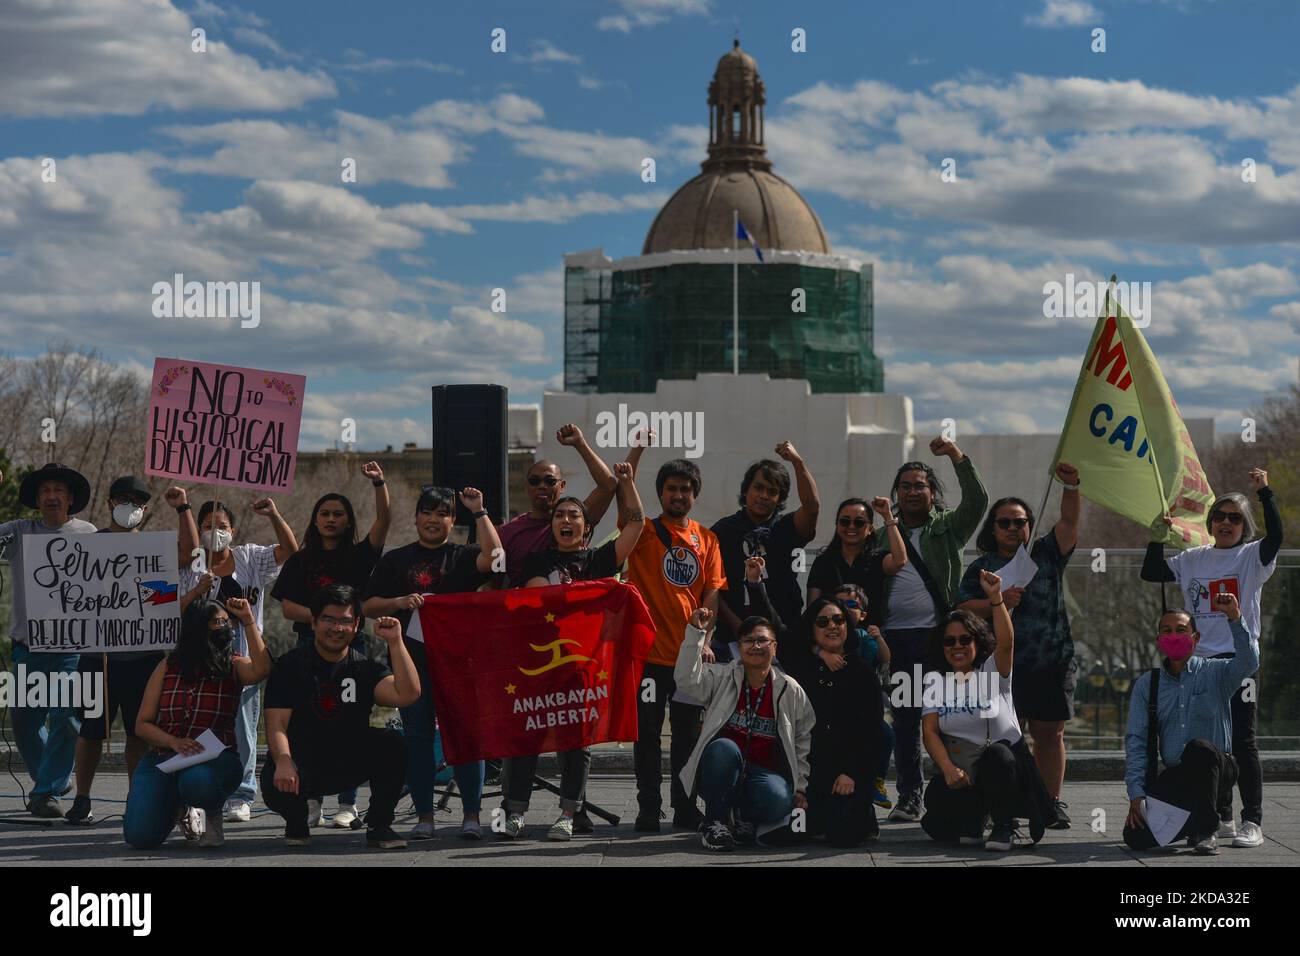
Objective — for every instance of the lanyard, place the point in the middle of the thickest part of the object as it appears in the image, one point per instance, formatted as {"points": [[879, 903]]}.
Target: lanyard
{"points": [[752, 706]]}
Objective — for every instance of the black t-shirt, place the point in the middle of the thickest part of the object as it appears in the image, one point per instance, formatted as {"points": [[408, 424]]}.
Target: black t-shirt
{"points": [[565, 567], [415, 569], [330, 700], [867, 571], [774, 540], [305, 573]]}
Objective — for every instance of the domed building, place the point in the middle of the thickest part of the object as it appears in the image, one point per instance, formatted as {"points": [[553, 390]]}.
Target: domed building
{"points": [[698, 299]]}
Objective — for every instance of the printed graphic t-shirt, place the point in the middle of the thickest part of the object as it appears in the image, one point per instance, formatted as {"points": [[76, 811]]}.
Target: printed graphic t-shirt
{"points": [[415, 569], [303, 575], [752, 727], [565, 567], [978, 708], [672, 580], [330, 700], [255, 570], [1207, 571], [773, 540]]}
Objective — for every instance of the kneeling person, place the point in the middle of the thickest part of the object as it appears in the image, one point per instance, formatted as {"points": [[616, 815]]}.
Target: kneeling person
{"points": [[750, 763], [1192, 731], [318, 703]]}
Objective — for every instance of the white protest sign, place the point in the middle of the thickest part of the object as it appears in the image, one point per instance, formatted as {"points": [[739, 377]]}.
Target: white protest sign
{"points": [[101, 593]]}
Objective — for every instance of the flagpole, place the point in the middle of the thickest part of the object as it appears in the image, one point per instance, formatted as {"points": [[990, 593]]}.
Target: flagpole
{"points": [[735, 293]]}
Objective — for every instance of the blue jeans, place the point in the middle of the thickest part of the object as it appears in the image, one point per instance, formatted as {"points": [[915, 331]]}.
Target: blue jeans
{"points": [[46, 736], [156, 796], [761, 797], [886, 749], [246, 730], [421, 759]]}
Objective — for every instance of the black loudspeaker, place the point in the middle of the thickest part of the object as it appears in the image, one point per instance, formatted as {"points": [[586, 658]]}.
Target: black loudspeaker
{"points": [[469, 445]]}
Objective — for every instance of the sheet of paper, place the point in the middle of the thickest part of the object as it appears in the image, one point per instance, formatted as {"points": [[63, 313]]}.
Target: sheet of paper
{"points": [[211, 748], [1164, 819], [1019, 571]]}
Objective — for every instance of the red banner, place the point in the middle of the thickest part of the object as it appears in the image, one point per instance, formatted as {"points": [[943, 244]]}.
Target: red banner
{"points": [[531, 670]]}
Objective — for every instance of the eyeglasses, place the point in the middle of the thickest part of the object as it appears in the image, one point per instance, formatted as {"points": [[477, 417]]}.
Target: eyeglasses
{"points": [[1007, 523], [853, 522], [965, 640], [330, 621], [827, 620], [1232, 517], [550, 480], [755, 641]]}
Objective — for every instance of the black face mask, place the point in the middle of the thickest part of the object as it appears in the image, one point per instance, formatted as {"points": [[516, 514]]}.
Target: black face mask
{"points": [[222, 637]]}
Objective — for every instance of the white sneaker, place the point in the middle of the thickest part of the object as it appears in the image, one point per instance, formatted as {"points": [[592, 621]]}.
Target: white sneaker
{"points": [[192, 822], [422, 831], [344, 816], [1251, 834], [1227, 829], [238, 811], [212, 833], [313, 813]]}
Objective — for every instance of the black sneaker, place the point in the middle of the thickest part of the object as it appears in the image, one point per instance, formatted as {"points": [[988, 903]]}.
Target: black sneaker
{"points": [[647, 821], [385, 838], [744, 833], [717, 837], [1062, 821], [1004, 837], [975, 836], [582, 823], [908, 808], [80, 812], [687, 817]]}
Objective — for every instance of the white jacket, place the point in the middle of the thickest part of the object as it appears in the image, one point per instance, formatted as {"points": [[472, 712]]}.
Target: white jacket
{"points": [[718, 686]]}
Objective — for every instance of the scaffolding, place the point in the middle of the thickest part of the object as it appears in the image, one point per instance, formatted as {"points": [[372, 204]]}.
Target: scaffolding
{"points": [[630, 324]]}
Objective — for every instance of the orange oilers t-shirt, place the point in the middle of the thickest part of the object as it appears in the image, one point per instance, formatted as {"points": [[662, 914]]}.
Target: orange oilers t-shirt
{"points": [[672, 581]]}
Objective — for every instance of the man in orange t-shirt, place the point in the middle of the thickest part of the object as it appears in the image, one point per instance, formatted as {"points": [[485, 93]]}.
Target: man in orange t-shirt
{"points": [[677, 567]]}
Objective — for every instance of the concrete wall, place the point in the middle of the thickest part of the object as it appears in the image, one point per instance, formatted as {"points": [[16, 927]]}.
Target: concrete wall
{"points": [[853, 443]]}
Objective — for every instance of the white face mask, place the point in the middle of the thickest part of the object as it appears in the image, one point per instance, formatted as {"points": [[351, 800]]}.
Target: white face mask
{"points": [[127, 515], [217, 540]]}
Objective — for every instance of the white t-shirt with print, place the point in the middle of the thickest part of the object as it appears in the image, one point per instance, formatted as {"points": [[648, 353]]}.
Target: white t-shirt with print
{"points": [[977, 706], [255, 572], [1203, 573], [909, 601]]}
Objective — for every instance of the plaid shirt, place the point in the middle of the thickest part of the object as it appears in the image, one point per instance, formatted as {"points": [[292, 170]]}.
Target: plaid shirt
{"points": [[187, 708]]}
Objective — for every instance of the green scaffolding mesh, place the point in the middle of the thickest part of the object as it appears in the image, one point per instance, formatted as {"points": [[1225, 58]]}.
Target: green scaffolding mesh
{"points": [[627, 329]]}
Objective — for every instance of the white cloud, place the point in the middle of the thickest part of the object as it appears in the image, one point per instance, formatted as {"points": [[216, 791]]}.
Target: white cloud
{"points": [[646, 13], [384, 150], [126, 57], [1064, 13]]}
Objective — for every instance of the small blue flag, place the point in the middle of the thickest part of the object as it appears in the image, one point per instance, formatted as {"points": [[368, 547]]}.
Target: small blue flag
{"points": [[742, 234]]}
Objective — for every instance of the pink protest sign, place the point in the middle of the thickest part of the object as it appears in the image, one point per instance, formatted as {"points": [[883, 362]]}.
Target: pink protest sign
{"points": [[224, 425]]}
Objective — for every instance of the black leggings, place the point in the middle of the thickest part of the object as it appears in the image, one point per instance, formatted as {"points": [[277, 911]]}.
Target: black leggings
{"points": [[997, 791]]}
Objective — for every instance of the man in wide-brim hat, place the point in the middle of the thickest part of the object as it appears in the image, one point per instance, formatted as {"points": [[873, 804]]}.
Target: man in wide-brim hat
{"points": [[57, 492]]}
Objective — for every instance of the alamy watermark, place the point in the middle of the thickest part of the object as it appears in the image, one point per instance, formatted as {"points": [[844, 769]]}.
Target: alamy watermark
{"points": [[622, 429], [1087, 300], [30, 687], [179, 299]]}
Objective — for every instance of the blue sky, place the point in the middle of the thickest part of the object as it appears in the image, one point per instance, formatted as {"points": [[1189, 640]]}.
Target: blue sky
{"points": [[478, 170]]}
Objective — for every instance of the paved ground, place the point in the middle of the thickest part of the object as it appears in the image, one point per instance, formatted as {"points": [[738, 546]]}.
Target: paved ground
{"points": [[258, 843]]}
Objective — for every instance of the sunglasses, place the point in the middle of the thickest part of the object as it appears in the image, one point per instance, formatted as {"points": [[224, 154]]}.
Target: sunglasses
{"points": [[853, 522], [1008, 523], [1232, 517], [851, 604], [965, 640], [549, 480], [827, 620]]}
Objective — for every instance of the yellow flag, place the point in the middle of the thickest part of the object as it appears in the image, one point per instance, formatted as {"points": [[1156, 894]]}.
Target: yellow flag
{"points": [[1125, 435]]}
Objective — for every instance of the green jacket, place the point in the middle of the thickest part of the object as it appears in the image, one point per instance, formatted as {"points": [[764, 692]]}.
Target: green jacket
{"points": [[945, 533]]}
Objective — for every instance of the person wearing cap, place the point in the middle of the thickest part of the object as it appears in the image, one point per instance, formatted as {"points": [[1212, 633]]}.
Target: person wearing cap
{"points": [[46, 736], [126, 674]]}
